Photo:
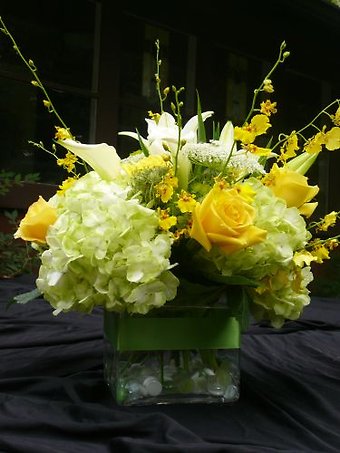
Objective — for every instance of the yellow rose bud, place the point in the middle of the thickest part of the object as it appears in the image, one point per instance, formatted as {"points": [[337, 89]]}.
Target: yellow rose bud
{"points": [[293, 188], [33, 227], [226, 220]]}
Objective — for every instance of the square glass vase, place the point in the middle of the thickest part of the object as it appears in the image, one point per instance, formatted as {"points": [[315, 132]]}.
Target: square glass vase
{"points": [[177, 356]]}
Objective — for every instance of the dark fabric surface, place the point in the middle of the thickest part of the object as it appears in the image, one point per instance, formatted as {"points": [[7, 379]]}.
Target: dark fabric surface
{"points": [[53, 397]]}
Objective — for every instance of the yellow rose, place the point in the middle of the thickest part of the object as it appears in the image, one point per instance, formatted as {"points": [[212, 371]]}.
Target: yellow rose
{"points": [[226, 220], [33, 227], [293, 188]]}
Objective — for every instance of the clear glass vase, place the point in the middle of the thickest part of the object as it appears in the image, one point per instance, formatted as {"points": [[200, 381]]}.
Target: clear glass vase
{"points": [[178, 356]]}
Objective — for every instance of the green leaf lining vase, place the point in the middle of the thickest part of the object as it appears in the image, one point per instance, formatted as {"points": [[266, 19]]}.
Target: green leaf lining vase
{"points": [[187, 354]]}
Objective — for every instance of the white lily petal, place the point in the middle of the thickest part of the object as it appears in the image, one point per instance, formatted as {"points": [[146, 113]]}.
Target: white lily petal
{"points": [[227, 136], [102, 157], [165, 134], [129, 134], [136, 137], [192, 124], [167, 120], [156, 147], [165, 129]]}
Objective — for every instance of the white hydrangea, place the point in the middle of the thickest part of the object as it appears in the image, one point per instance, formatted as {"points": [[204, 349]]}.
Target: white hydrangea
{"points": [[105, 249]]}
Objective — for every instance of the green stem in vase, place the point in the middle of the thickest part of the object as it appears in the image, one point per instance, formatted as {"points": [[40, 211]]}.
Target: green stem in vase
{"points": [[208, 357], [186, 360], [161, 361]]}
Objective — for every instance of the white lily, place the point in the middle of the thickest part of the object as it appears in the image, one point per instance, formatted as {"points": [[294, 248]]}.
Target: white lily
{"points": [[163, 138], [165, 131], [102, 158]]}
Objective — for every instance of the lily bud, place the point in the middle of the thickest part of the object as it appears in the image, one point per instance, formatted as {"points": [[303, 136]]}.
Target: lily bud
{"points": [[302, 163]]}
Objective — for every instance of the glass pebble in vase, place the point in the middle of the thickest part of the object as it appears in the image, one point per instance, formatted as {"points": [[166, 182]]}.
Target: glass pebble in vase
{"points": [[173, 355]]}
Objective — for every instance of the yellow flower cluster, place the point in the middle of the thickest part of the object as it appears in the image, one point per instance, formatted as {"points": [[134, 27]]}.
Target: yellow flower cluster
{"points": [[330, 139], [165, 188], [289, 148], [68, 162], [146, 163], [62, 133], [66, 184]]}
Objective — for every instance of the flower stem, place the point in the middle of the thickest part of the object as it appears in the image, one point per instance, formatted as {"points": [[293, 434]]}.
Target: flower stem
{"points": [[311, 123], [161, 360], [33, 69], [208, 357], [157, 76], [176, 108], [186, 360], [282, 56]]}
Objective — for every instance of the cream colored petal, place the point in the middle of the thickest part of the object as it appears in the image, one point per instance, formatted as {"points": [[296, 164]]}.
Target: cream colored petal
{"points": [[102, 157], [192, 124], [227, 136]]}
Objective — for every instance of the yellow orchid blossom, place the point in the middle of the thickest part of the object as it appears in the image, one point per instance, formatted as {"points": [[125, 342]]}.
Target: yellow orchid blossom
{"points": [[247, 133], [289, 148], [267, 107], [328, 221], [166, 221], [336, 117], [186, 202], [303, 257], [332, 139], [257, 150]]}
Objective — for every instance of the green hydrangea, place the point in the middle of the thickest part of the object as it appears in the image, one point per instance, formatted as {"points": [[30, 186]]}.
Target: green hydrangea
{"points": [[282, 286], [284, 298], [286, 232], [105, 249]]}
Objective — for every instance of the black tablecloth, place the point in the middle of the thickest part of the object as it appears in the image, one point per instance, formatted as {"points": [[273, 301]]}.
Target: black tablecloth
{"points": [[53, 397]]}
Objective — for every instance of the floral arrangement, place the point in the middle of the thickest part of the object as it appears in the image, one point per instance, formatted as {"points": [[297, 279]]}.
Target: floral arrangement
{"points": [[185, 213]]}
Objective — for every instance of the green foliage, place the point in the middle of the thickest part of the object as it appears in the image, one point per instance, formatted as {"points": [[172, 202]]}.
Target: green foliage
{"points": [[9, 178], [25, 297], [334, 2], [16, 256], [201, 129]]}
